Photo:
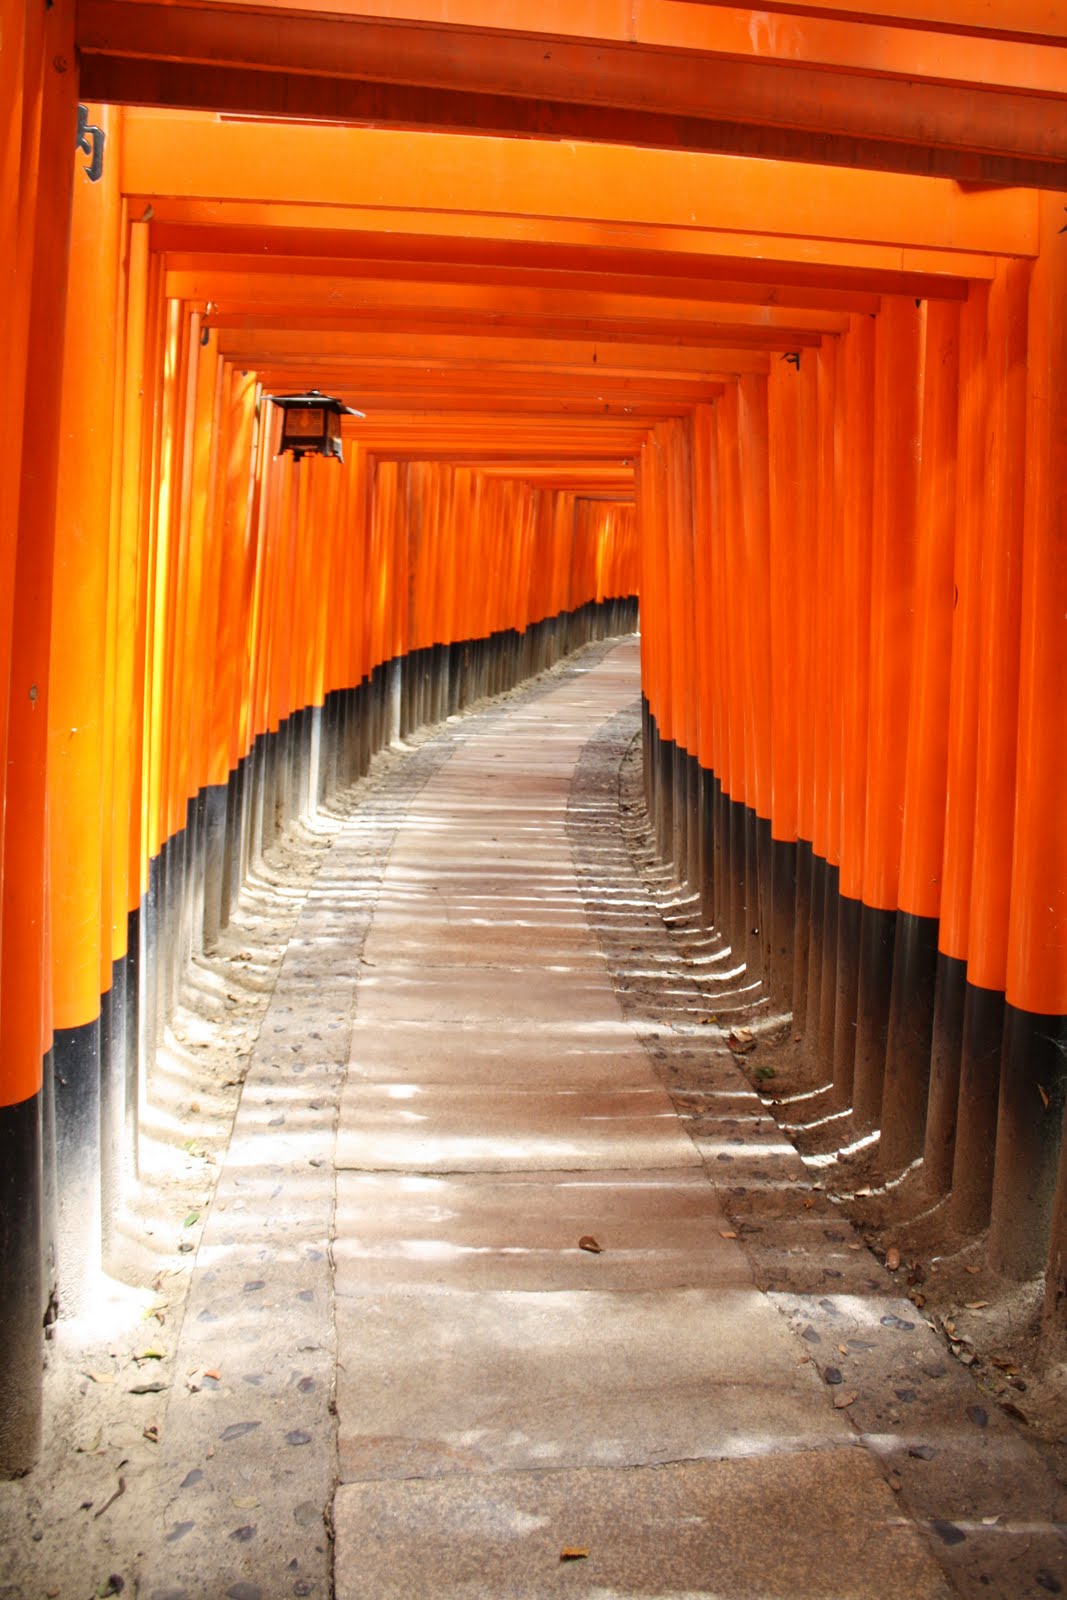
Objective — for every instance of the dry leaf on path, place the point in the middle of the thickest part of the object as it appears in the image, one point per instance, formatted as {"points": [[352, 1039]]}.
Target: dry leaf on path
{"points": [[573, 1552], [587, 1242]]}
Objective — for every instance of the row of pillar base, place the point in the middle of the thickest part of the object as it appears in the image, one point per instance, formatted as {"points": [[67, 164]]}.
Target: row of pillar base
{"points": [[946, 1079], [68, 1155]]}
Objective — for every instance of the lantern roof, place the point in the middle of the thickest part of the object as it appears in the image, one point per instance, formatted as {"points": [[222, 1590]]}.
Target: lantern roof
{"points": [[314, 397]]}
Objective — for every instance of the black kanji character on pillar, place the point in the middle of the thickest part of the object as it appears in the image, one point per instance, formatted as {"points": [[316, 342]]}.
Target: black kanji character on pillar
{"points": [[91, 144]]}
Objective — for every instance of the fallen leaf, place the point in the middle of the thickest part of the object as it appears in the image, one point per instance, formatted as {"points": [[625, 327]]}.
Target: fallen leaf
{"points": [[976, 1305], [896, 1482], [148, 1388], [972, 1270], [573, 1552], [152, 1354], [843, 1401], [1043, 1092], [110, 1501], [744, 1033], [843, 1348], [892, 1258], [727, 1233], [1013, 1411], [950, 1328], [211, 1372], [99, 1377], [151, 1433], [922, 1452], [245, 1502], [190, 1218], [764, 1074], [809, 1202], [587, 1242]]}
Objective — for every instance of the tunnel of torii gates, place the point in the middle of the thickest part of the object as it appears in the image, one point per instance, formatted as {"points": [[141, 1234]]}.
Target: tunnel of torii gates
{"points": [[761, 321]]}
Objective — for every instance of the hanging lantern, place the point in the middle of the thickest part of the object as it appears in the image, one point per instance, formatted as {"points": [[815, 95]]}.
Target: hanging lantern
{"points": [[311, 424]]}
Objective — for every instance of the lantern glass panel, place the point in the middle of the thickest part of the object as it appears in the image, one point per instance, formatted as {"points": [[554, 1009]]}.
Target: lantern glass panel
{"points": [[304, 422]]}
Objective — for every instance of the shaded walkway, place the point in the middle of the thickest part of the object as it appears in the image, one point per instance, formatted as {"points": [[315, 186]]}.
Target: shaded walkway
{"points": [[503, 1393]]}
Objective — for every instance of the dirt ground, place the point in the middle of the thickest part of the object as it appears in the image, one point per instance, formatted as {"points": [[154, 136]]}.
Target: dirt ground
{"points": [[69, 1526], [991, 1324]]}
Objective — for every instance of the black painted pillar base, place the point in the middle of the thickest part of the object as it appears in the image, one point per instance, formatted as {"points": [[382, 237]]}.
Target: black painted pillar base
{"points": [[976, 1120], [135, 1063], [759, 896], [721, 862], [783, 899], [215, 886], [694, 873], [906, 1090], [946, 1049], [21, 1287], [846, 997], [680, 819], [823, 1053], [801, 933], [817, 952], [112, 1108], [76, 1071], [1033, 1080], [873, 999], [707, 814]]}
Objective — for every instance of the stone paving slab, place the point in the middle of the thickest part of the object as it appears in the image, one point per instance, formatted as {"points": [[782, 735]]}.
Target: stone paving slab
{"points": [[657, 1230], [764, 1528], [467, 1054], [498, 1380], [409, 993], [442, 1128], [486, 942]]}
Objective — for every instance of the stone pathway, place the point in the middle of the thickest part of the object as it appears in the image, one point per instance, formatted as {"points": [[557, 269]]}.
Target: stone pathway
{"points": [[519, 1415]]}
